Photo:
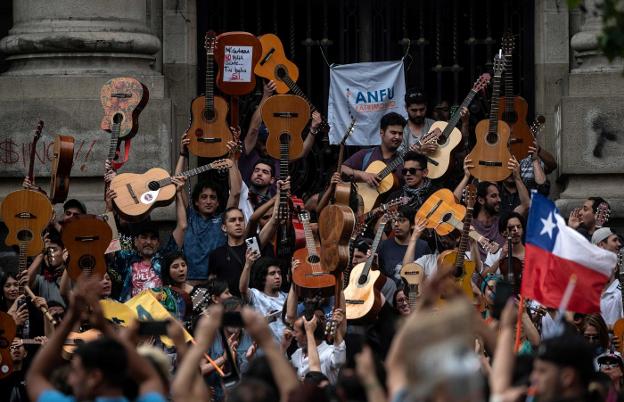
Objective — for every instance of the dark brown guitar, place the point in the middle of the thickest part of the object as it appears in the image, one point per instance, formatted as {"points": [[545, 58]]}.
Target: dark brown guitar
{"points": [[7, 334], [209, 131], [342, 191], [234, 52], [86, 238], [514, 107], [62, 162], [122, 99]]}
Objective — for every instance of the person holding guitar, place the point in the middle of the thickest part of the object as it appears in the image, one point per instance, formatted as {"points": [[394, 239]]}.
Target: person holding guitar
{"points": [[418, 125], [46, 270], [417, 186], [511, 225], [391, 129]]}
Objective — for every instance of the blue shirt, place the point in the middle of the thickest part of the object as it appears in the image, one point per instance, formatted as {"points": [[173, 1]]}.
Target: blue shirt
{"points": [[124, 259], [216, 351], [52, 395], [202, 235]]}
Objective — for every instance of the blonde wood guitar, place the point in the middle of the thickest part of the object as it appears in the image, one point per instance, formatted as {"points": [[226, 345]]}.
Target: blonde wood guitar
{"points": [[414, 275], [138, 194]]}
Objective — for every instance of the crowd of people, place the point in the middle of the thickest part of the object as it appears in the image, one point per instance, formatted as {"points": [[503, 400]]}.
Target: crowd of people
{"points": [[258, 337]]}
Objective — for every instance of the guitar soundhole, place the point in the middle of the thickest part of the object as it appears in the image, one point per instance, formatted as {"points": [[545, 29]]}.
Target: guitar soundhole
{"points": [[24, 235], [199, 132], [117, 118], [209, 115], [314, 259], [284, 138], [458, 272], [491, 138], [362, 279], [86, 262], [510, 117], [281, 72], [4, 343], [153, 186]]}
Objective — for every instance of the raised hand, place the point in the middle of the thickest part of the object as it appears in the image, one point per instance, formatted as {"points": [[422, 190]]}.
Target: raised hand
{"points": [[467, 166], [269, 89], [179, 182]]}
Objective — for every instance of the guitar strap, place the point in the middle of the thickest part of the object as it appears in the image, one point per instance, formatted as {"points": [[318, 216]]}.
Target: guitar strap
{"points": [[367, 158], [116, 164]]}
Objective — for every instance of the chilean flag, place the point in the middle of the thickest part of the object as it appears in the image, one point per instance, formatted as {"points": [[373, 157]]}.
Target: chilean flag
{"points": [[554, 252]]}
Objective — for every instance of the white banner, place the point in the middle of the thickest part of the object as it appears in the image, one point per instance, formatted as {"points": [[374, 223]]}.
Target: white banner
{"points": [[365, 91]]}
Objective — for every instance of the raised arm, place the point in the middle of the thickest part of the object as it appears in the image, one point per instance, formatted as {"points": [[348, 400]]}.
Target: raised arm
{"points": [[465, 180], [329, 193], [259, 213], [419, 228], [236, 181], [252, 133], [308, 143], [523, 193], [243, 284], [33, 269], [313, 356], [181, 221]]}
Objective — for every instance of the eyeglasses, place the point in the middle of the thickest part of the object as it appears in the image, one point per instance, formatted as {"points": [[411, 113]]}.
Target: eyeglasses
{"points": [[591, 337], [410, 171]]}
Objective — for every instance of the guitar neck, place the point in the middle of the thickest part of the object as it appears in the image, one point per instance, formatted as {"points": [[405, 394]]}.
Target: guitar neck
{"points": [[22, 263], [457, 224], [284, 156], [413, 293], [112, 149], [209, 104], [393, 164], [452, 123], [187, 174], [463, 242], [494, 107], [294, 88], [508, 76], [309, 236], [376, 241]]}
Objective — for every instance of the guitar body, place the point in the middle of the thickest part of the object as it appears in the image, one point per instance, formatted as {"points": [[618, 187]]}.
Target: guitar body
{"points": [[443, 154], [414, 275], [490, 155], [309, 275], [8, 331], [517, 266], [274, 65], [74, 339], [335, 226], [342, 193], [209, 131], [226, 84], [514, 113], [126, 97], [435, 209], [62, 162], [285, 116], [446, 262], [369, 194], [86, 238], [363, 300], [26, 214], [134, 199]]}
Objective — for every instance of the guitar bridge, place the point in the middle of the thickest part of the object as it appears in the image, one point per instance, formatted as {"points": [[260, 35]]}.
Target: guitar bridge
{"points": [[349, 301], [209, 140], [132, 193], [490, 163]]}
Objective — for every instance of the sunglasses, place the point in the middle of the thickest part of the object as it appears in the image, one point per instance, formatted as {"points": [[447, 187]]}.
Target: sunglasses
{"points": [[410, 171]]}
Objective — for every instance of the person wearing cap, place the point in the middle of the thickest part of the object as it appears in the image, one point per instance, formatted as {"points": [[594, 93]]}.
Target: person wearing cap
{"points": [[562, 369], [611, 298], [612, 365], [418, 125]]}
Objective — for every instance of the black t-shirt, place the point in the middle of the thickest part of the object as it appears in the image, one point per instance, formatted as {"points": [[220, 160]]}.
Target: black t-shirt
{"points": [[227, 262]]}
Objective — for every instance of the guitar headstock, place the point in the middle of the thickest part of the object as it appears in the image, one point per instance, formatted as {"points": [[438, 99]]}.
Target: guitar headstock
{"points": [[602, 214], [499, 64], [537, 125], [221, 164], [304, 215], [349, 131], [38, 130], [508, 43], [490, 246], [393, 205], [210, 42], [482, 82], [470, 195]]}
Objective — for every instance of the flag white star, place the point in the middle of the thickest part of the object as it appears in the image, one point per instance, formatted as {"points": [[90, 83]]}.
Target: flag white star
{"points": [[549, 225]]}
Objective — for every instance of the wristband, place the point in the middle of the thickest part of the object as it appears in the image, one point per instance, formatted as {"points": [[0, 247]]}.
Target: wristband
{"points": [[185, 154], [314, 131]]}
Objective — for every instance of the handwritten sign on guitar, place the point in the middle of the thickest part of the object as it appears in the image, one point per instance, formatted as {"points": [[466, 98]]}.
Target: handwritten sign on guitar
{"points": [[237, 63]]}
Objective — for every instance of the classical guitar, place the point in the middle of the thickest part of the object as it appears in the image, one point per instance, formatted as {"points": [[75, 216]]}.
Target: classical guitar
{"points": [[335, 226], [383, 171], [450, 136], [537, 125], [603, 213], [274, 65], [138, 194], [511, 268], [618, 326], [515, 107], [86, 238], [491, 154], [414, 275], [363, 220], [209, 131], [444, 214], [454, 260], [310, 277], [342, 191], [26, 214], [285, 116], [8, 330], [237, 53], [122, 99], [62, 162], [75, 339], [362, 294]]}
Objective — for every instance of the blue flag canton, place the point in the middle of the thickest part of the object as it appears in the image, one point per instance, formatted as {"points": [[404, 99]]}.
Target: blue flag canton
{"points": [[542, 229]]}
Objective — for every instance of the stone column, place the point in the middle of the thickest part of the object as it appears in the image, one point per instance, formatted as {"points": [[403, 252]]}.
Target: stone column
{"points": [[588, 120], [61, 53]]}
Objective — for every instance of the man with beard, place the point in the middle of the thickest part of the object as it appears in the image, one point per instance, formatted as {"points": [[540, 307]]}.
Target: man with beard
{"points": [[511, 224], [260, 182], [44, 274], [391, 132], [263, 292], [417, 186]]}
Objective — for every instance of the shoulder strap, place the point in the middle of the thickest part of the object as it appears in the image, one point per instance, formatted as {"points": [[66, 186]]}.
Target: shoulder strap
{"points": [[367, 158]]}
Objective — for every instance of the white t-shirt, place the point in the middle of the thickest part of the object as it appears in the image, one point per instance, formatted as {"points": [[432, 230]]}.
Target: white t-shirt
{"points": [[429, 262], [266, 304], [611, 303], [492, 258], [332, 358]]}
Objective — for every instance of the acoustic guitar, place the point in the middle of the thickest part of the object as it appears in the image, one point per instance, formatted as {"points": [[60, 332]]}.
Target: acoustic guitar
{"points": [[515, 107], [8, 330], [62, 162], [232, 53], [450, 136], [342, 191], [285, 116], [444, 214], [363, 220], [362, 294], [86, 238], [274, 65], [490, 155], [75, 339], [335, 225], [454, 260], [414, 275], [209, 131], [122, 99], [383, 171], [138, 194], [310, 276]]}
